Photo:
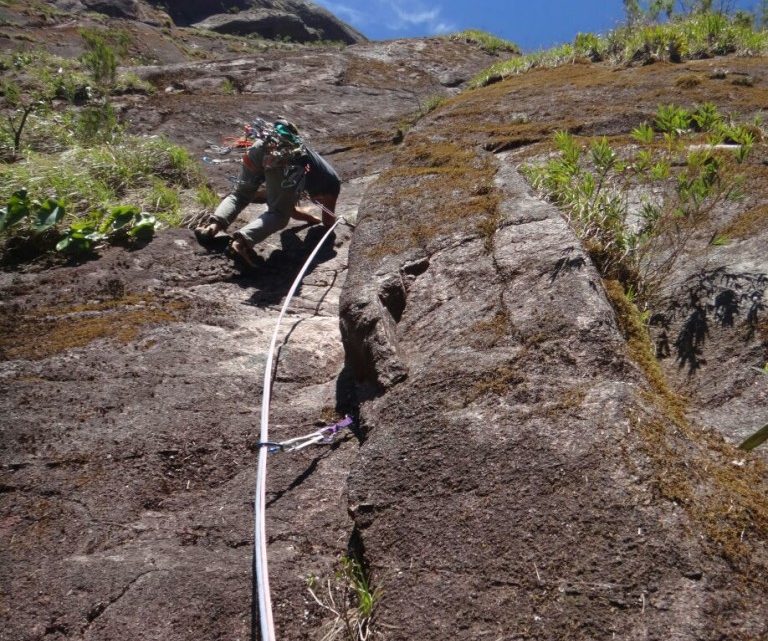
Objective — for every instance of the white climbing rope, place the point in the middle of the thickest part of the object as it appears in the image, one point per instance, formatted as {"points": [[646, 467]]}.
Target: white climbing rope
{"points": [[260, 539]]}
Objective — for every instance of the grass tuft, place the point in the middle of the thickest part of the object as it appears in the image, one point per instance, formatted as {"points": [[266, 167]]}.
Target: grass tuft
{"points": [[487, 42], [350, 598]]}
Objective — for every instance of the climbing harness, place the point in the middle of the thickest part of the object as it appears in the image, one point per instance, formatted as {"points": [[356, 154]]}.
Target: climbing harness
{"points": [[260, 539], [323, 436]]}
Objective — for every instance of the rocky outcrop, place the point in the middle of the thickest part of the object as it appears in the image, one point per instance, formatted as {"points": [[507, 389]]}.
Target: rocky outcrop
{"points": [[518, 437], [295, 19], [125, 9], [129, 9], [266, 23], [525, 465]]}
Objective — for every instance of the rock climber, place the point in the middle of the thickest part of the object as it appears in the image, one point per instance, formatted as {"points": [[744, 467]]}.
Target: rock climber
{"points": [[288, 167]]}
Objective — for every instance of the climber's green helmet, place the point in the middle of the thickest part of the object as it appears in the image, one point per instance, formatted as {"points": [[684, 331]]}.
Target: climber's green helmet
{"points": [[287, 130]]}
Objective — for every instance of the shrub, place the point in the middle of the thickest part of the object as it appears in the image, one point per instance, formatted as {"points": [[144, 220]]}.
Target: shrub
{"points": [[100, 58], [90, 182], [96, 124], [593, 185]]}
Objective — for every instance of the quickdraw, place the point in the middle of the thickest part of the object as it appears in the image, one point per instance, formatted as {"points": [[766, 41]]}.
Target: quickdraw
{"points": [[324, 436]]}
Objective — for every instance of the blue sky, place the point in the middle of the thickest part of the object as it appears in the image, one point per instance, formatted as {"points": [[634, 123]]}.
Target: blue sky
{"points": [[532, 24]]}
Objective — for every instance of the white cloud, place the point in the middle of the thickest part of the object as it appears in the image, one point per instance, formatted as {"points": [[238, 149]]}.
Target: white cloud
{"points": [[348, 14], [397, 16], [416, 15], [443, 27]]}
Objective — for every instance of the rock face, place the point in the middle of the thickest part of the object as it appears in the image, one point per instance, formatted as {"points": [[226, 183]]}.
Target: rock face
{"points": [[354, 101], [298, 20], [135, 496], [517, 471], [520, 461], [124, 9], [129, 9], [505, 438]]}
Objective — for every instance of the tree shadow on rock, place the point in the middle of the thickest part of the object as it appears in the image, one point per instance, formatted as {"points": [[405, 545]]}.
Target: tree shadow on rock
{"points": [[567, 264], [690, 341], [717, 295]]}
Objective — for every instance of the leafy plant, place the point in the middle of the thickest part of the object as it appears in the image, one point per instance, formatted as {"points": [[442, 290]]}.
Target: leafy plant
{"points": [[593, 190], [672, 119], [643, 133], [128, 221], [27, 218], [28, 226], [123, 223], [79, 239], [39, 216]]}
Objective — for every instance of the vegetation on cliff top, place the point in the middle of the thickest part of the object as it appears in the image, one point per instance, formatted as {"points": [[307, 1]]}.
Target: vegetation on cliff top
{"points": [[488, 42], [701, 35]]}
